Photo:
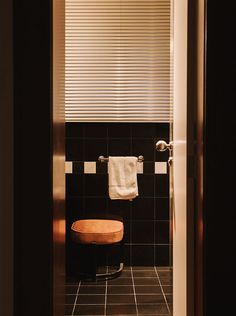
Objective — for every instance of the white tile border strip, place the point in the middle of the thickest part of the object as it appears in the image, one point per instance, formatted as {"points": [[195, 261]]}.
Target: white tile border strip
{"points": [[160, 167], [68, 167], [90, 167], [140, 167]]}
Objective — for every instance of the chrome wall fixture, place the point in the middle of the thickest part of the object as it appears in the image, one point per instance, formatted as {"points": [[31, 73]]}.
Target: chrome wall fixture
{"points": [[161, 145], [103, 159]]}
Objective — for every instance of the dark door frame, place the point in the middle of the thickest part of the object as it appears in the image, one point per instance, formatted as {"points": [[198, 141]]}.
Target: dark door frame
{"points": [[32, 47]]}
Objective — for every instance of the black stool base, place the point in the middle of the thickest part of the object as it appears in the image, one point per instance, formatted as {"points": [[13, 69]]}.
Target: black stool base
{"points": [[110, 275], [101, 276]]}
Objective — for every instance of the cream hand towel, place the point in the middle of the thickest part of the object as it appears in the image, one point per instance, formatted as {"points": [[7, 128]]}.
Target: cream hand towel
{"points": [[122, 177]]}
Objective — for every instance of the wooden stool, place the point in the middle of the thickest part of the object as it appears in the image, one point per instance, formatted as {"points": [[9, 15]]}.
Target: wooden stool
{"points": [[99, 232]]}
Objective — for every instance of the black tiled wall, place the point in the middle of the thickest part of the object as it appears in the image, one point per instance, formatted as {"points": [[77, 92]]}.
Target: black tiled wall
{"points": [[146, 218]]}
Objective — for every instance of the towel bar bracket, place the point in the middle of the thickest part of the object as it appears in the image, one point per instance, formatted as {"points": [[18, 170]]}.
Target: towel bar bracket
{"points": [[103, 159]]}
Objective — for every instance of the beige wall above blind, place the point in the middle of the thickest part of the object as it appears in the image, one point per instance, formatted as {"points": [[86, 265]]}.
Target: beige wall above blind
{"points": [[118, 60]]}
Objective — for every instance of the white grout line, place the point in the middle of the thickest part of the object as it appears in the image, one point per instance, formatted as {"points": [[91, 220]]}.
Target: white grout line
{"points": [[123, 315], [105, 304], [162, 291], [77, 293], [135, 298], [147, 244], [115, 304], [126, 285], [129, 277], [143, 294]]}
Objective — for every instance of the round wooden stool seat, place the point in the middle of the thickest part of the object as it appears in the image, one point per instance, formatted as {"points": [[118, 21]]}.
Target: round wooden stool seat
{"points": [[97, 231]]}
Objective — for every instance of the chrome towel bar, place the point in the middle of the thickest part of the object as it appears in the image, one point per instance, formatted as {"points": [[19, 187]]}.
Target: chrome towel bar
{"points": [[103, 159]]}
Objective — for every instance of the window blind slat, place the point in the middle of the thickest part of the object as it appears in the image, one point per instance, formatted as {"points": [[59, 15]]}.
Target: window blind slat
{"points": [[117, 60]]}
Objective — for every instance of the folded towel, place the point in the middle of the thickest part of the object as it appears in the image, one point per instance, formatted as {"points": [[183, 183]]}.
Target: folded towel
{"points": [[122, 176]]}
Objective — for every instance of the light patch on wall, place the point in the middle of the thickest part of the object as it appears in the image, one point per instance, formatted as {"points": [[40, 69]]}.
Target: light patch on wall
{"points": [[160, 167], [68, 167], [140, 167], [89, 167]]}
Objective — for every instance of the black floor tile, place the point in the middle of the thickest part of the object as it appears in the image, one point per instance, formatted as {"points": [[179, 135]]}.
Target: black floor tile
{"points": [[169, 298], [142, 254], [89, 310], [153, 309], [71, 289], [164, 273], [168, 289], [164, 269], [90, 283], [121, 281], [91, 299], [144, 274], [146, 281], [150, 299], [71, 280], [139, 289], [70, 299], [120, 299], [124, 309], [166, 280], [165, 277], [92, 289], [126, 274], [69, 309], [121, 289], [127, 268], [143, 268]]}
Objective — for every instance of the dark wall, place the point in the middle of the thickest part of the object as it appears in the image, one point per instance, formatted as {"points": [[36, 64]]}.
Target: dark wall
{"points": [[6, 159], [220, 167], [146, 218], [32, 159]]}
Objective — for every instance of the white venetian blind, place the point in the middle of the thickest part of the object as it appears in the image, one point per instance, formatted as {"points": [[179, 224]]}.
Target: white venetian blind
{"points": [[118, 60]]}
